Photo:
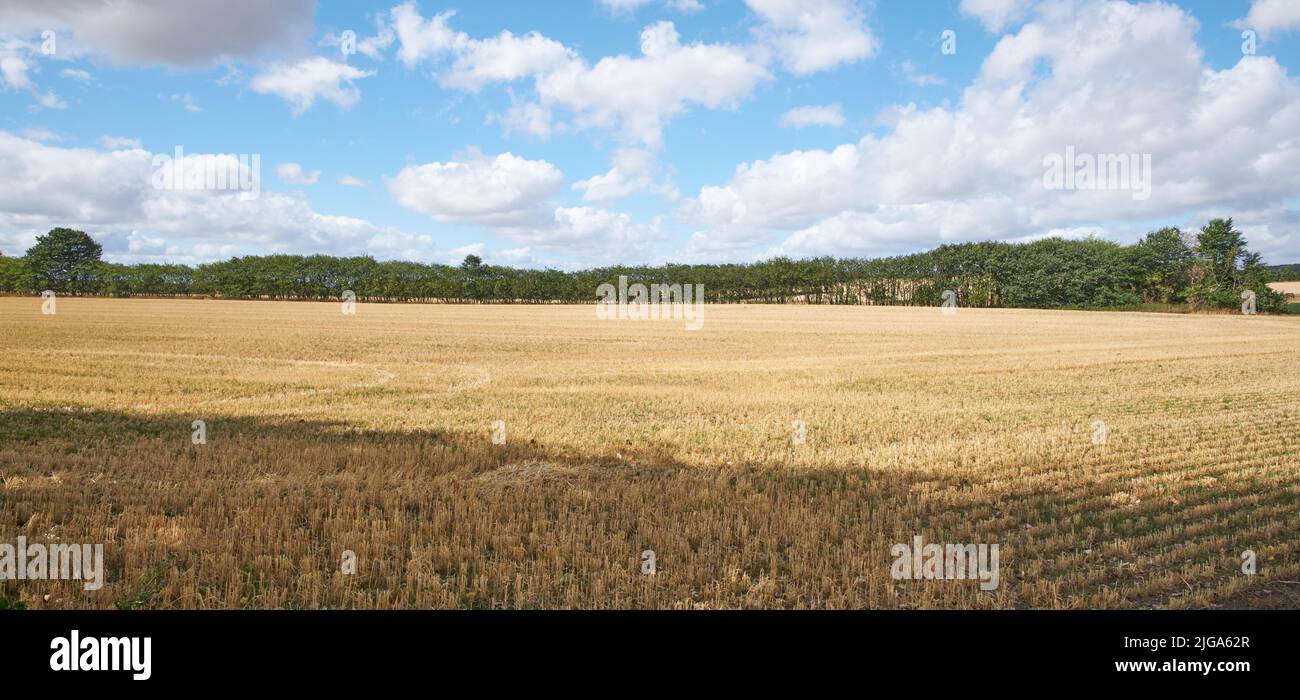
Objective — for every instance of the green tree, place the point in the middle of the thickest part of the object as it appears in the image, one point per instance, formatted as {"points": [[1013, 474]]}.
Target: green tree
{"points": [[1225, 268], [1222, 248], [14, 276], [473, 269], [1163, 259], [64, 260]]}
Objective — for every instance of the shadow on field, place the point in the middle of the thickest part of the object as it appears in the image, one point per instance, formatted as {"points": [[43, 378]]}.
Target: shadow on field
{"points": [[265, 513], [70, 431]]}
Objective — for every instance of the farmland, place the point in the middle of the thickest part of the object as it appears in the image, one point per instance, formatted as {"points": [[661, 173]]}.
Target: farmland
{"points": [[1291, 289], [1118, 459]]}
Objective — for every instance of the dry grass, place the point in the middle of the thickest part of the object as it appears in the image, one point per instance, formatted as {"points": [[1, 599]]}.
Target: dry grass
{"points": [[1291, 289], [372, 432]]}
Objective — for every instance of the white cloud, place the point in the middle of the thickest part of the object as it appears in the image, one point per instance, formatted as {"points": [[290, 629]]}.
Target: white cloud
{"points": [[191, 33], [619, 6], [525, 117], [503, 58], [502, 190], [373, 47], [974, 171], [350, 181], [632, 96], [420, 39], [610, 186], [293, 173], [634, 170], [41, 134], [813, 115], [637, 96], [590, 236], [49, 100], [117, 143], [13, 73], [303, 82], [186, 101], [1271, 17], [109, 195], [809, 36], [475, 62], [457, 255], [996, 15], [512, 195], [916, 77], [76, 74], [584, 224], [624, 7]]}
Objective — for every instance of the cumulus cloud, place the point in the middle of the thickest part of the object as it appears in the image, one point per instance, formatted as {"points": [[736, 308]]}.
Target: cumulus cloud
{"points": [[634, 170], [110, 194], [633, 96], [502, 190], [1271, 17], [303, 82], [293, 173], [526, 117], [626, 7], [513, 196], [185, 34], [996, 15], [351, 181], [590, 236], [813, 115], [40, 133], [636, 96], [473, 62], [16, 64], [50, 100], [1220, 140], [13, 73], [809, 36], [420, 39], [115, 143], [915, 76], [503, 58]]}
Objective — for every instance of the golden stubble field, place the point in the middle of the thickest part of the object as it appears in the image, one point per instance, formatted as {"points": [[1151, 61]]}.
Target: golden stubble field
{"points": [[371, 433], [1291, 289]]}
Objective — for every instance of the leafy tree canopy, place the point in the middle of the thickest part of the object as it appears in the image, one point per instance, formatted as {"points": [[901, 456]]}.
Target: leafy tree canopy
{"points": [[1211, 269], [64, 260]]}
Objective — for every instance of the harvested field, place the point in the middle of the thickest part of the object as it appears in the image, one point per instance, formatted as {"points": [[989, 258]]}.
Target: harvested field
{"points": [[1118, 459]]}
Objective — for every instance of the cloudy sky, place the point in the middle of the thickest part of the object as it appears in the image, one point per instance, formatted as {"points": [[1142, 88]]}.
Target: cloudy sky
{"points": [[584, 132]]}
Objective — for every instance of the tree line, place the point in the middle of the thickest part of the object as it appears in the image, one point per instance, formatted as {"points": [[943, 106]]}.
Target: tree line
{"points": [[1207, 269], [1284, 273]]}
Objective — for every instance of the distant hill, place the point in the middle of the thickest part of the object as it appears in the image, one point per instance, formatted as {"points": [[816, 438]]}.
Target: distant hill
{"points": [[1284, 273]]}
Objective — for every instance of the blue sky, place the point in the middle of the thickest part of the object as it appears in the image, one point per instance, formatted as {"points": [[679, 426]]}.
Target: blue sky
{"points": [[589, 132]]}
